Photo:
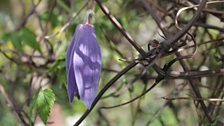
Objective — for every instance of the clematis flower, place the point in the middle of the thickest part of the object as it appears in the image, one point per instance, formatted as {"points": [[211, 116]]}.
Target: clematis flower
{"points": [[83, 64]]}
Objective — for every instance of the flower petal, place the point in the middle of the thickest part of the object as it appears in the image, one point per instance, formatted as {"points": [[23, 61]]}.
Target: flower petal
{"points": [[87, 64], [72, 86]]}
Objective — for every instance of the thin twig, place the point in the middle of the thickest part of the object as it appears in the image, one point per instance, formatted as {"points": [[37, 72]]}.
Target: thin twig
{"points": [[167, 44], [120, 28], [12, 106], [105, 88], [68, 23], [196, 99], [132, 100], [25, 19]]}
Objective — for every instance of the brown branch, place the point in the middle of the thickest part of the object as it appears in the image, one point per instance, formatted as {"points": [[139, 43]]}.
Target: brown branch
{"points": [[191, 74], [132, 100], [195, 74], [25, 19], [120, 28], [196, 99], [105, 88], [172, 40], [12, 106]]}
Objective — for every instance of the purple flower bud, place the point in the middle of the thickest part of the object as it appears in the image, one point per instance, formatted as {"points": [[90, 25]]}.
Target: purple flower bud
{"points": [[83, 64]]}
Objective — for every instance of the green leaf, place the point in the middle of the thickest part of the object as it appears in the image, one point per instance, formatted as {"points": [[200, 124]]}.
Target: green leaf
{"points": [[62, 4], [53, 18], [24, 37], [43, 102], [28, 38], [32, 108], [14, 38]]}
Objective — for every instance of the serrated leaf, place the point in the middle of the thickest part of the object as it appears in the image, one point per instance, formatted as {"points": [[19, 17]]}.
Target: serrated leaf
{"points": [[44, 101]]}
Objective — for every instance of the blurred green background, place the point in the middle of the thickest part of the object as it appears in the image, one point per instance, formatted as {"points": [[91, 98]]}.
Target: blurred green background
{"points": [[34, 36]]}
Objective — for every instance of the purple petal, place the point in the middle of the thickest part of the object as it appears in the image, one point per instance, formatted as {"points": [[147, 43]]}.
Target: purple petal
{"points": [[72, 86], [87, 64]]}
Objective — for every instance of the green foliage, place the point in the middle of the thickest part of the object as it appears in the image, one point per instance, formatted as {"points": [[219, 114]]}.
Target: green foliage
{"points": [[213, 57], [42, 103], [5, 116], [21, 38], [63, 5], [14, 38], [53, 18], [59, 67], [27, 37], [32, 55]]}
